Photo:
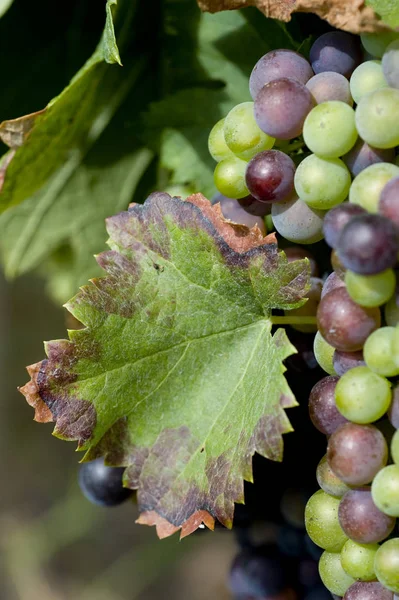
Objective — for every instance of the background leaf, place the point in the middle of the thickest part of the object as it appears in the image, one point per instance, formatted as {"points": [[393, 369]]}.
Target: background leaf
{"points": [[388, 10]]}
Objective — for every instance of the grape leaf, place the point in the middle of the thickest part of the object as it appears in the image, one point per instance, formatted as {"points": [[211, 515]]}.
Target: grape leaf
{"points": [[388, 10], [176, 374], [343, 14]]}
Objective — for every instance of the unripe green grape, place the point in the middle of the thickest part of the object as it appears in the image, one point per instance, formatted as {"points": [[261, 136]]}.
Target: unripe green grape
{"points": [[329, 129], [386, 565], [370, 290], [324, 354], [229, 178], [366, 188], [322, 182], [357, 560], [332, 574], [385, 490], [377, 118], [395, 346], [376, 43], [395, 447], [242, 134], [362, 396], [377, 352], [391, 312], [322, 524], [328, 480], [217, 146], [367, 78]]}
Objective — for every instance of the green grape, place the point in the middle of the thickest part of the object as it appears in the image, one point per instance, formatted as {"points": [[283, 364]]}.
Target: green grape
{"points": [[362, 396], [242, 134], [322, 182], [370, 290], [332, 574], [329, 129], [324, 354], [391, 312], [377, 118], [366, 188], [357, 560], [229, 178], [366, 78], [395, 447], [328, 481], [376, 43], [377, 352], [217, 146], [322, 524], [385, 490], [386, 565]]}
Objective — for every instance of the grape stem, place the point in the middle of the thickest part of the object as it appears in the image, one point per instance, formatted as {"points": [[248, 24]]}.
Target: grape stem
{"points": [[287, 320]]}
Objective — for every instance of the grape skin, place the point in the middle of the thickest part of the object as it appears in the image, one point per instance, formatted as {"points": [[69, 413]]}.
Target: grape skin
{"points": [[241, 133], [395, 448], [332, 282], [336, 219], [332, 574], [336, 51], [361, 520], [330, 86], [281, 107], [367, 186], [385, 490], [344, 361], [362, 156], [217, 146], [229, 178], [376, 43], [252, 206], [328, 481], [101, 484], [322, 182], [367, 78], [324, 354], [368, 590], [393, 412], [358, 560], [389, 201], [376, 118], [378, 352], [270, 176], [356, 453], [323, 411], [321, 521], [390, 64], [387, 565], [329, 129], [344, 324], [297, 222], [371, 290], [277, 64]]}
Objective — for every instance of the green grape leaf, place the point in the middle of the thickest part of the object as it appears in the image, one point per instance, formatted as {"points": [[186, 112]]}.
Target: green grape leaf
{"points": [[388, 10], [176, 374], [110, 47]]}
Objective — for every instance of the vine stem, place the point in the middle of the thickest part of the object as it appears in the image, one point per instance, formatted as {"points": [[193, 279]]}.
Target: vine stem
{"points": [[287, 320]]}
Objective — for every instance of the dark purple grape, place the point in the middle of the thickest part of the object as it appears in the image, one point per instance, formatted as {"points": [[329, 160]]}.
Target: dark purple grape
{"points": [[277, 64], [322, 408], [362, 156], [336, 219], [281, 108], [258, 573], [393, 412], [270, 176], [298, 253], [361, 520], [344, 324], [356, 453], [368, 590], [330, 86], [389, 201], [233, 211], [252, 206], [101, 484], [332, 282], [344, 361], [368, 244], [336, 51]]}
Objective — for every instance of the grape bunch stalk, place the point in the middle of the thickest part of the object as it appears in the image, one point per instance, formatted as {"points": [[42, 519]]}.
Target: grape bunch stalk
{"points": [[315, 156]]}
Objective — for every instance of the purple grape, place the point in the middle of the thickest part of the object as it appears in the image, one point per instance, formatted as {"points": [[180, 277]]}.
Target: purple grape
{"points": [[344, 324], [103, 485], [336, 219], [277, 64], [361, 520], [252, 206], [356, 453], [330, 86], [336, 51], [393, 412], [270, 176], [389, 201], [368, 244], [332, 282], [362, 156], [281, 108], [233, 211], [368, 590], [323, 411], [258, 572], [344, 361], [298, 253]]}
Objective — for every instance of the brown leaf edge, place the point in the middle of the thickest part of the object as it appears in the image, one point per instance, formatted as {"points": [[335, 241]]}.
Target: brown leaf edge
{"points": [[349, 15], [75, 420]]}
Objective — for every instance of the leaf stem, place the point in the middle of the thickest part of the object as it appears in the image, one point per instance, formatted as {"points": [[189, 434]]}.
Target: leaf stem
{"points": [[287, 320]]}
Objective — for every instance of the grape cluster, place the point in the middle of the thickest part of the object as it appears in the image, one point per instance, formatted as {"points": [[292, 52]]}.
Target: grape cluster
{"points": [[315, 156]]}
